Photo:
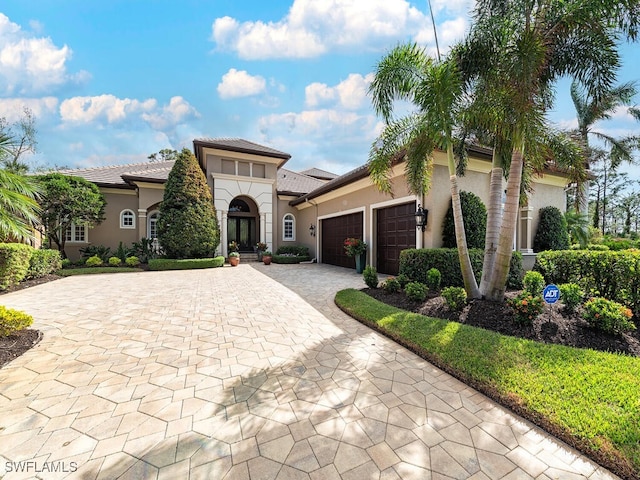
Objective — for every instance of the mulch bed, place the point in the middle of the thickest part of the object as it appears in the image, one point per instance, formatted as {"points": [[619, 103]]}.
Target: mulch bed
{"points": [[13, 346], [550, 327]]}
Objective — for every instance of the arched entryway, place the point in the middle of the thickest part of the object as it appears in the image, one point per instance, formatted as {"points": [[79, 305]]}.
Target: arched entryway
{"points": [[242, 223]]}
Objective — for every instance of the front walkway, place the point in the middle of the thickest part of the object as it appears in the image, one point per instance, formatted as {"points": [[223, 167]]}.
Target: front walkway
{"points": [[226, 373]]}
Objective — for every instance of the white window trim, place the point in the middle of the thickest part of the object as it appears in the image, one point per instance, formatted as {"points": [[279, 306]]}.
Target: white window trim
{"points": [[149, 219], [73, 234], [289, 217], [133, 216]]}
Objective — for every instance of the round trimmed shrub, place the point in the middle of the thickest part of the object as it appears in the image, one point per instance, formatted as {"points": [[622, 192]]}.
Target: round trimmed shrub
{"points": [[608, 316], [433, 279], [94, 261], [416, 291], [571, 296], [533, 282], [391, 285], [12, 321], [132, 261], [455, 297], [475, 222], [552, 233], [115, 261], [370, 275]]}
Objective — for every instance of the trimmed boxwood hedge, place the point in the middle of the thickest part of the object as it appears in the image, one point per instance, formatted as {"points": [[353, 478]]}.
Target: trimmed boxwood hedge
{"points": [[609, 274], [185, 264], [290, 259], [14, 263], [415, 263]]}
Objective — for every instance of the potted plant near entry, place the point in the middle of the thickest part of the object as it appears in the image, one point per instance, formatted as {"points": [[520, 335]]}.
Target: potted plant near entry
{"points": [[266, 257], [260, 248], [234, 256], [357, 248], [234, 259]]}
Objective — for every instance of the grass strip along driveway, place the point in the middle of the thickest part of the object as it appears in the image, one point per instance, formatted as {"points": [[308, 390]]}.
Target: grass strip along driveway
{"points": [[587, 398]]}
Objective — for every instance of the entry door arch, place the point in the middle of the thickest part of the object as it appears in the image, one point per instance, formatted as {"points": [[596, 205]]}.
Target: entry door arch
{"points": [[242, 223]]}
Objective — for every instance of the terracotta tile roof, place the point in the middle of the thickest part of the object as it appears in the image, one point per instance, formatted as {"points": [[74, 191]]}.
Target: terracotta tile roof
{"points": [[294, 183], [240, 145], [319, 173], [115, 175]]}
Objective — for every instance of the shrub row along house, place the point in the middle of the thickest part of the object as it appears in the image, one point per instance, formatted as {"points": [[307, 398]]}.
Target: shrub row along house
{"points": [[258, 200]]}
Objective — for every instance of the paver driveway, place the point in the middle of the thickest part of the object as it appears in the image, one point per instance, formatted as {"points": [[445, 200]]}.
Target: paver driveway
{"points": [[247, 372]]}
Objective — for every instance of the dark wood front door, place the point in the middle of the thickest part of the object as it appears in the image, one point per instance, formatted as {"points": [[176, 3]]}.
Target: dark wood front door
{"points": [[334, 232], [395, 230], [243, 231]]}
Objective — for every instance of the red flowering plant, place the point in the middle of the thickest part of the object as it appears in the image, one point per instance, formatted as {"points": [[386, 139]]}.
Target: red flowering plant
{"points": [[354, 246]]}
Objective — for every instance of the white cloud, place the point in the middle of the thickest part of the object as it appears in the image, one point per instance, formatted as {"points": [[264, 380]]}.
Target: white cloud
{"points": [[31, 64], [238, 83], [177, 111], [12, 108], [350, 93], [102, 107], [312, 27], [314, 136]]}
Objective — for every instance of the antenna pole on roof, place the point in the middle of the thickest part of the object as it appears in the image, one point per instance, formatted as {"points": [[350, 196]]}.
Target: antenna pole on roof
{"points": [[435, 30]]}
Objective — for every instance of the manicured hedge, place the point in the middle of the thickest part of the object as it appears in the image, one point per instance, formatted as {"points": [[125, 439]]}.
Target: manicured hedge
{"points": [[14, 263], [415, 263], [298, 250], [609, 274], [44, 262], [290, 258], [185, 264]]}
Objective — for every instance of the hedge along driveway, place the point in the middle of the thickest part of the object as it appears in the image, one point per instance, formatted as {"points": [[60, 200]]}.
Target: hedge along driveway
{"points": [[590, 399]]}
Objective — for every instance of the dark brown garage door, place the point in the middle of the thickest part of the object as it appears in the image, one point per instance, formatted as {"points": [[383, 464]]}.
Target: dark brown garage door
{"points": [[396, 230], [334, 231]]}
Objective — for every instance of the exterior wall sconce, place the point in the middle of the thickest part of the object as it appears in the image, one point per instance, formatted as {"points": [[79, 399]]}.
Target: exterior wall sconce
{"points": [[312, 230], [421, 217]]}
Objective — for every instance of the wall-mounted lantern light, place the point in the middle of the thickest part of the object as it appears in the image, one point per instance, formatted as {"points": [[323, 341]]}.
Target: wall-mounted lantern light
{"points": [[312, 230], [421, 217]]}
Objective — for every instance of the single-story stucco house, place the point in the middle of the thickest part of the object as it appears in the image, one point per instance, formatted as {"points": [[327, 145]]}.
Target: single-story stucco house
{"points": [[257, 199]]}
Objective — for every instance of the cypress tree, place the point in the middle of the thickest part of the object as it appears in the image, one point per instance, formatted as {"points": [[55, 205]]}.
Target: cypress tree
{"points": [[475, 222], [188, 225], [552, 233]]}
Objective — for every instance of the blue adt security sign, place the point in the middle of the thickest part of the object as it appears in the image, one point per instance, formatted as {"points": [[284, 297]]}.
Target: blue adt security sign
{"points": [[551, 293]]}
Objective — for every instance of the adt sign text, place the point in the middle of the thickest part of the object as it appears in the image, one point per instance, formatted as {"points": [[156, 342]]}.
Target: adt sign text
{"points": [[551, 294]]}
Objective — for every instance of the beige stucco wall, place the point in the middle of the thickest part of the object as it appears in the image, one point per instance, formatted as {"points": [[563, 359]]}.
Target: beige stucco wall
{"points": [[109, 233]]}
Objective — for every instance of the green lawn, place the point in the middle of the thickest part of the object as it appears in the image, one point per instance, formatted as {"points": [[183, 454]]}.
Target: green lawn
{"points": [[594, 397]]}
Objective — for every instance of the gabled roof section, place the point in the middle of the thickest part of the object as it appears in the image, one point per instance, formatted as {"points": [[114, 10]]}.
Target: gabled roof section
{"points": [[239, 145], [349, 177], [121, 175], [319, 173], [293, 183]]}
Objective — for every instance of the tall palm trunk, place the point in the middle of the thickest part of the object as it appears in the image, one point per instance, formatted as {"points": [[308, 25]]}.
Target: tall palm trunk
{"points": [[469, 279], [498, 281], [494, 221]]}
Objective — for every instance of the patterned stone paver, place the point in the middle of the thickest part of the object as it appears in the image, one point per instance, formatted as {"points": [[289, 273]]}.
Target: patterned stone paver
{"points": [[244, 373]]}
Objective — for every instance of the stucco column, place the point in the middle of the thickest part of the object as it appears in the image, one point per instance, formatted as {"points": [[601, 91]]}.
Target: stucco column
{"points": [[142, 223], [224, 242], [263, 228], [525, 240]]}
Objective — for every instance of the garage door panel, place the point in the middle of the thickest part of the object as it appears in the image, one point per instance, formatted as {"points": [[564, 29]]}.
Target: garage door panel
{"points": [[334, 232], [395, 231]]}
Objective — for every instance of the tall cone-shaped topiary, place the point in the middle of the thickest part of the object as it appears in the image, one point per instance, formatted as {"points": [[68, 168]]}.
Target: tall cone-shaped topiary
{"points": [[188, 225]]}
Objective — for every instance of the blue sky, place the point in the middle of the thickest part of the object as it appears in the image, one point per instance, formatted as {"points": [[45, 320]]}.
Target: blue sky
{"points": [[111, 82]]}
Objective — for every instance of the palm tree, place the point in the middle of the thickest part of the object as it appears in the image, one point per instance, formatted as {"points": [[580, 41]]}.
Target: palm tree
{"points": [[436, 89], [18, 206], [518, 49], [590, 110]]}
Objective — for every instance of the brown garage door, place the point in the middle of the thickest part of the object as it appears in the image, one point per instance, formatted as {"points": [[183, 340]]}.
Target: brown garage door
{"points": [[396, 230], [334, 231]]}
